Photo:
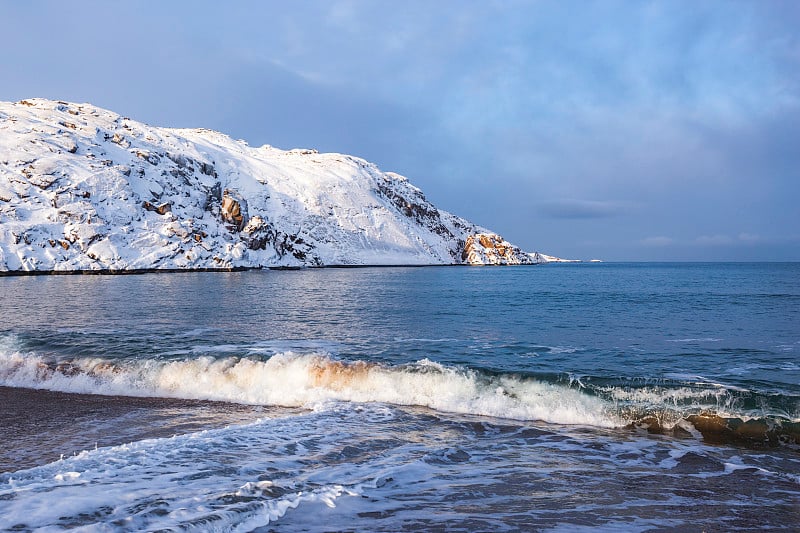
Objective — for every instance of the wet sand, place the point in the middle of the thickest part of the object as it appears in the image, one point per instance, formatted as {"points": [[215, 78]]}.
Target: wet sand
{"points": [[37, 426]]}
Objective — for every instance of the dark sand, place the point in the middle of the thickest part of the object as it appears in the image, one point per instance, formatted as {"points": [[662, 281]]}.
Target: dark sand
{"points": [[37, 427]]}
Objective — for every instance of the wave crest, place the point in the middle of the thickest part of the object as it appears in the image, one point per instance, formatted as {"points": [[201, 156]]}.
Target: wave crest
{"points": [[290, 379]]}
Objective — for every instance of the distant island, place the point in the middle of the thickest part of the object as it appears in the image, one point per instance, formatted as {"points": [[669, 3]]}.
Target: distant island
{"points": [[84, 189]]}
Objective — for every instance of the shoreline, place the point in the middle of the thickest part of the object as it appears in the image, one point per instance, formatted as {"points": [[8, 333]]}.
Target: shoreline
{"points": [[41, 426], [138, 271]]}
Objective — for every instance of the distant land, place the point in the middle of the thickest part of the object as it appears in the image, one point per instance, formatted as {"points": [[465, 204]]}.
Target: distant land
{"points": [[84, 189]]}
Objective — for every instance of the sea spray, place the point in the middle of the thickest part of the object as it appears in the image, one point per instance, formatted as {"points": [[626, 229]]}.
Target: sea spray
{"points": [[290, 379]]}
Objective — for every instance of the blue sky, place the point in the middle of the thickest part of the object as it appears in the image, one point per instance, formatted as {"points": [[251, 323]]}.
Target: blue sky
{"points": [[620, 130]]}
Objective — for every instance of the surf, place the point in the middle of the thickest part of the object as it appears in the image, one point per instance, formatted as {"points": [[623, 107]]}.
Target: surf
{"points": [[294, 380], [309, 380]]}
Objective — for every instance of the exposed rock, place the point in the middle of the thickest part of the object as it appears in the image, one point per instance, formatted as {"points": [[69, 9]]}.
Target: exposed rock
{"points": [[120, 140], [207, 169], [42, 173], [414, 206], [153, 159], [492, 249], [179, 159], [295, 246], [162, 209], [234, 209], [258, 233], [754, 432]]}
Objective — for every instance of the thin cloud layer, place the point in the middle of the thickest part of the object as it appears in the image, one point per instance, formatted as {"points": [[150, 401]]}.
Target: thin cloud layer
{"points": [[581, 209], [559, 116]]}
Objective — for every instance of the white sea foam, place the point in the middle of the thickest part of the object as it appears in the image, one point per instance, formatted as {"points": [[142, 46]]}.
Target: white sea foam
{"points": [[9, 343], [377, 467], [682, 400], [659, 395], [290, 379], [560, 349], [259, 348], [671, 404], [180, 482]]}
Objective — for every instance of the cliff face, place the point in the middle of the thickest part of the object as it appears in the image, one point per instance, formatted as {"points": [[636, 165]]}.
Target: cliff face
{"points": [[82, 188]]}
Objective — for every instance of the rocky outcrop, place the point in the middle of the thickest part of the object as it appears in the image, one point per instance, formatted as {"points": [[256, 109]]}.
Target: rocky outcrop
{"points": [[544, 258], [492, 249], [82, 188], [234, 210], [258, 234], [162, 209], [413, 205]]}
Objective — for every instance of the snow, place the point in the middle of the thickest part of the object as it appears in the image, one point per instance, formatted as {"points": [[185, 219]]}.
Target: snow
{"points": [[544, 258], [82, 188]]}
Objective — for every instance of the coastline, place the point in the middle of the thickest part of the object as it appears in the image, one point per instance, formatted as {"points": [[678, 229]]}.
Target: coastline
{"points": [[41, 426], [137, 271]]}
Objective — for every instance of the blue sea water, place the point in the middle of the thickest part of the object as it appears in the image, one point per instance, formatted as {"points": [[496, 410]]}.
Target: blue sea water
{"points": [[618, 396]]}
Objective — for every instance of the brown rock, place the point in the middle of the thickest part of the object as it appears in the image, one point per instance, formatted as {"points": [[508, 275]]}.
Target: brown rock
{"points": [[162, 209], [233, 210]]}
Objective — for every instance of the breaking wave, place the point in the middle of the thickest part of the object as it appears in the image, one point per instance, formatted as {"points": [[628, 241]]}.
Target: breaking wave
{"points": [[697, 407], [705, 409], [290, 379]]}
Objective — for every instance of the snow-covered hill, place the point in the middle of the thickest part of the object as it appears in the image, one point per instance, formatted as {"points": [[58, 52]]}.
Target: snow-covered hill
{"points": [[82, 188]]}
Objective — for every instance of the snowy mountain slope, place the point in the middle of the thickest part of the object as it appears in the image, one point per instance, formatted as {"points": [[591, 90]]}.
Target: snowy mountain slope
{"points": [[82, 188]]}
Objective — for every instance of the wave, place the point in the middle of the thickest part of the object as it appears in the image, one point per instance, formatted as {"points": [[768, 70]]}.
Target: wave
{"points": [[723, 430], [704, 408], [290, 379], [694, 404]]}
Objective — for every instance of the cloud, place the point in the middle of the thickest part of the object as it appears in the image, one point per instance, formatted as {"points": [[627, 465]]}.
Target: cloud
{"points": [[743, 238], [581, 209], [727, 240], [714, 240], [658, 241], [680, 117], [750, 238]]}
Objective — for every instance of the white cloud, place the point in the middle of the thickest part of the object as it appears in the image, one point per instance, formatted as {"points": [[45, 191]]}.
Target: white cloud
{"points": [[714, 240], [658, 241], [750, 238], [725, 240]]}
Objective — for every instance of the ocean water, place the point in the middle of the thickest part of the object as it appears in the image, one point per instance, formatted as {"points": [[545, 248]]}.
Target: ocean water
{"points": [[570, 397]]}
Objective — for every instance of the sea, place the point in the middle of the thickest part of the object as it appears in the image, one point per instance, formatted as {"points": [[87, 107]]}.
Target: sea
{"points": [[559, 397]]}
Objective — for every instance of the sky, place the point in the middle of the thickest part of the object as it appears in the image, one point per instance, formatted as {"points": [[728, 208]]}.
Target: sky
{"points": [[619, 130]]}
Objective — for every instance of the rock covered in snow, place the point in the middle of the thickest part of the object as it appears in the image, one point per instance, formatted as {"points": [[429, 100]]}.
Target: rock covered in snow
{"points": [[543, 258], [491, 249], [82, 188]]}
